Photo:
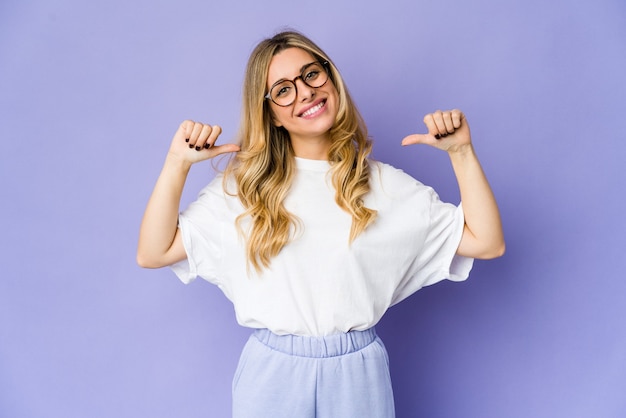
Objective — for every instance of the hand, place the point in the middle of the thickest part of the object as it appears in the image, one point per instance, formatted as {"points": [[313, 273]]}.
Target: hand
{"points": [[195, 141], [447, 130]]}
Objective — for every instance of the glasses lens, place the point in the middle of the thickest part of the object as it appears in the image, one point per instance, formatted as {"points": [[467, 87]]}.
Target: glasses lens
{"points": [[283, 94], [315, 75]]}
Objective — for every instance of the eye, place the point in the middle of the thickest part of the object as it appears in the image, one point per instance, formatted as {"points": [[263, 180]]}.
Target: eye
{"points": [[282, 90], [311, 74]]}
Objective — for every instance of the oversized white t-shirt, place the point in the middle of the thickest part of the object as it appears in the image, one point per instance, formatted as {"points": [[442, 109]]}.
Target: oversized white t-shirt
{"points": [[320, 284]]}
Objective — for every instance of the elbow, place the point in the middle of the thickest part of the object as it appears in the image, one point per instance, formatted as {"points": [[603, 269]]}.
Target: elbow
{"points": [[147, 262], [482, 248], [493, 251], [142, 261], [496, 253], [154, 260]]}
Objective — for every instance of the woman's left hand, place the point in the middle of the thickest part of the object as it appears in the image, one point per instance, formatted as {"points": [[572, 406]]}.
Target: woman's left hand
{"points": [[447, 130]]}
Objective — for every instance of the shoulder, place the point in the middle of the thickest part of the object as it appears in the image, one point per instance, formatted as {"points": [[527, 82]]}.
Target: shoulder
{"points": [[220, 190], [392, 179], [220, 185], [216, 200], [393, 189]]}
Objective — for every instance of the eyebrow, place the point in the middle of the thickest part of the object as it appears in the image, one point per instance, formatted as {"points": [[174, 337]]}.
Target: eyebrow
{"points": [[287, 79]]}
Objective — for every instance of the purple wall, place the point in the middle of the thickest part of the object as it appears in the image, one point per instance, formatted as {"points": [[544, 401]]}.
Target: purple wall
{"points": [[90, 95]]}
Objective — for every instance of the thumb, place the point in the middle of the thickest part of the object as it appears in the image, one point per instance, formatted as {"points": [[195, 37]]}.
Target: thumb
{"points": [[418, 139], [224, 149]]}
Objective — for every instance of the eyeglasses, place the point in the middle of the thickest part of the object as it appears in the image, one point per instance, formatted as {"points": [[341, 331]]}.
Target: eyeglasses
{"points": [[284, 92]]}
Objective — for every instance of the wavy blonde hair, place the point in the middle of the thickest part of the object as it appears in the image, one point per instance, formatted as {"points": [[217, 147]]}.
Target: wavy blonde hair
{"points": [[264, 168]]}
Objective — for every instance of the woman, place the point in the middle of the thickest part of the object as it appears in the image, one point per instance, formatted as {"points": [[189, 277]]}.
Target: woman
{"points": [[310, 239]]}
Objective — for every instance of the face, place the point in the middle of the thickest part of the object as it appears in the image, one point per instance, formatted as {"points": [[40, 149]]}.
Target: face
{"points": [[312, 114]]}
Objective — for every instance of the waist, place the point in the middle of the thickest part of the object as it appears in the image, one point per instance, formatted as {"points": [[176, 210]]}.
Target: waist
{"points": [[317, 347]]}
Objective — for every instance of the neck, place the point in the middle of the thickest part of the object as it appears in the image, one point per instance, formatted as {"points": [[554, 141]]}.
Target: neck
{"points": [[311, 148]]}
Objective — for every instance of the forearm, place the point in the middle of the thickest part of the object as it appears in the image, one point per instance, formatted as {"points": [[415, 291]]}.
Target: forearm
{"points": [[159, 224], [483, 236]]}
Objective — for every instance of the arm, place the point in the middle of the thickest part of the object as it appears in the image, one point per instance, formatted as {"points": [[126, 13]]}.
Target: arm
{"points": [[482, 235], [160, 243]]}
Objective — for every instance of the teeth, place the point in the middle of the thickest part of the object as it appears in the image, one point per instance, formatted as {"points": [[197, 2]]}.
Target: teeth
{"points": [[313, 109]]}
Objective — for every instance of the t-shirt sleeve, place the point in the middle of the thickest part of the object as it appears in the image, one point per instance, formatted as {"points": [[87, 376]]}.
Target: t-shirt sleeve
{"points": [[437, 259], [202, 230], [437, 228]]}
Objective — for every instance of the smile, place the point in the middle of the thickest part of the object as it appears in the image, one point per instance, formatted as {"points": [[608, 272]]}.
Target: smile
{"points": [[313, 110]]}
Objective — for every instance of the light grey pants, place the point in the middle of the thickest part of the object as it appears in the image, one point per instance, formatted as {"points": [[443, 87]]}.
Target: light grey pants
{"points": [[289, 376]]}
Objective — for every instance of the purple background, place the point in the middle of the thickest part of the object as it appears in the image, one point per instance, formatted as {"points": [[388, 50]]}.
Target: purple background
{"points": [[91, 93]]}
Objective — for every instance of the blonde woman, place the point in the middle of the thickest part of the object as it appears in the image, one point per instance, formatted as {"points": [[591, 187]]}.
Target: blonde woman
{"points": [[311, 240]]}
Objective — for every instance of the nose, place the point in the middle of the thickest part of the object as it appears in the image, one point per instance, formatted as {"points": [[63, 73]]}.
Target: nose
{"points": [[305, 91]]}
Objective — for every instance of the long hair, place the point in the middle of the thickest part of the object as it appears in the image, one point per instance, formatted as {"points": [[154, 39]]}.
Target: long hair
{"points": [[264, 168]]}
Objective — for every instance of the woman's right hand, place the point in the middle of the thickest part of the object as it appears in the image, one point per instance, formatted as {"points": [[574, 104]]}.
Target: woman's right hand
{"points": [[195, 141], [160, 242]]}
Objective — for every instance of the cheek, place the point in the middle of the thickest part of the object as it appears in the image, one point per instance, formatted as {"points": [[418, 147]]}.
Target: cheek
{"points": [[335, 98], [332, 91], [278, 116]]}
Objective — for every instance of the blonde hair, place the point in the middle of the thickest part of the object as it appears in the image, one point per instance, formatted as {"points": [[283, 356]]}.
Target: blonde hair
{"points": [[264, 168]]}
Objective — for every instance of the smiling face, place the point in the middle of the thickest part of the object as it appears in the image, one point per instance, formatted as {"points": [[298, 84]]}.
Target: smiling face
{"points": [[311, 116]]}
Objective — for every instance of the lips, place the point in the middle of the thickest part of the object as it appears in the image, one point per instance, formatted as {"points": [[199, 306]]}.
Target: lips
{"points": [[313, 109]]}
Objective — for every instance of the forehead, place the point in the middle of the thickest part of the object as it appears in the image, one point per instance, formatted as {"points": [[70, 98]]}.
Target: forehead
{"points": [[288, 64]]}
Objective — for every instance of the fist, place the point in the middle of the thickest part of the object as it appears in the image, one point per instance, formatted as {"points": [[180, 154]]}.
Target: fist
{"points": [[195, 141], [447, 130]]}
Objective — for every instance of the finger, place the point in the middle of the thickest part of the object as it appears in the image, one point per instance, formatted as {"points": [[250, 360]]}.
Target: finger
{"points": [[417, 139], [429, 121], [195, 134], [205, 132], [457, 118], [440, 125], [224, 149], [184, 130], [215, 132], [447, 120]]}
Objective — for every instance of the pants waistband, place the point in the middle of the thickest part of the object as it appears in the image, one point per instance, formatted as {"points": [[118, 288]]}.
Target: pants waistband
{"points": [[317, 347]]}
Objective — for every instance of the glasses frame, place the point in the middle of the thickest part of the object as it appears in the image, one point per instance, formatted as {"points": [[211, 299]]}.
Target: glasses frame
{"points": [[325, 66]]}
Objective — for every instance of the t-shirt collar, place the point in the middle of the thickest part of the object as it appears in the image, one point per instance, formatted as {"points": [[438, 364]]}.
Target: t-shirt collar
{"points": [[312, 165]]}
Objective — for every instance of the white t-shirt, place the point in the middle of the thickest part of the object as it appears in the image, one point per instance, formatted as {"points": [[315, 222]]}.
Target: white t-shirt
{"points": [[319, 284]]}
